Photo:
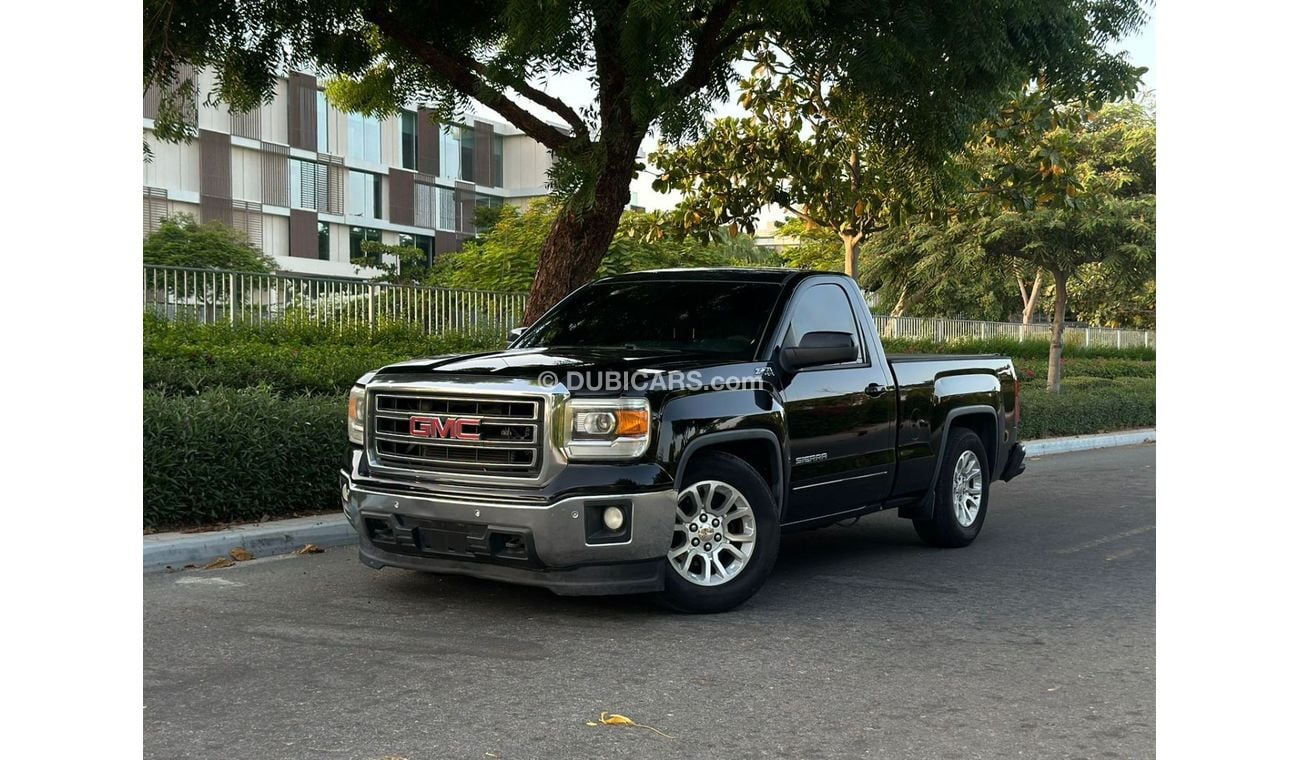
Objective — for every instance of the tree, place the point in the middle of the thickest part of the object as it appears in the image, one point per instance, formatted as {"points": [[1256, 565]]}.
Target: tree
{"points": [[397, 264], [926, 69], [505, 257], [1068, 192], [180, 241], [810, 149]]}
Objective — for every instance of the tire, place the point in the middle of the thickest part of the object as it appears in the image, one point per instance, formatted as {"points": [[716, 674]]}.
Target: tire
{"points": [[695, 580], [960, 501]]}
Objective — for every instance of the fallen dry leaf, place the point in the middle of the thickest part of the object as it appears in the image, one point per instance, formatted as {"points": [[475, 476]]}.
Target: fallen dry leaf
{"points": [[614, 719], [309, 549], [240, 554], [219, 563], [190, 567]]}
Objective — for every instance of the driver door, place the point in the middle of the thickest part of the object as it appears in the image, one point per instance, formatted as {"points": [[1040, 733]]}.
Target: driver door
{"points": [[840, 417]]}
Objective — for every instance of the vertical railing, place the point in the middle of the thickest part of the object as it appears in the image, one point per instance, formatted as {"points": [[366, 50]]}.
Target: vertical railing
{"points": [[211, 296]]}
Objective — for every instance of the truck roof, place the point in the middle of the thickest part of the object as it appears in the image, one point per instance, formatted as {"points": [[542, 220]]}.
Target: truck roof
{"points": [[777, 275]]}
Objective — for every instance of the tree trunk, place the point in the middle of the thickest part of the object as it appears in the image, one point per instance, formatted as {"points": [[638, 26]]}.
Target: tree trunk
{"points": [[579, 239], [851, 254], [1030, 298], [1058, 335]]}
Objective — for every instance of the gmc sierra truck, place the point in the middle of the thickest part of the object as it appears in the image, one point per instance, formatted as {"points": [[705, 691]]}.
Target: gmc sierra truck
{"points": [[658, 431]]}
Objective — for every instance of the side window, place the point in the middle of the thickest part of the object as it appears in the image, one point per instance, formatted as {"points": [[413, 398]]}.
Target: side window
{"points": [[822, 308]]}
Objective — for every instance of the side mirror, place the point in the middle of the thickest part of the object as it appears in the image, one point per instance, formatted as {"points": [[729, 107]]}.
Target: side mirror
{"points": [[817, 349], [515, 334]]}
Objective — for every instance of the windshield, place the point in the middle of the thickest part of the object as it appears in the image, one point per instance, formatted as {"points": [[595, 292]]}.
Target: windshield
{"points": [[721, 318]]}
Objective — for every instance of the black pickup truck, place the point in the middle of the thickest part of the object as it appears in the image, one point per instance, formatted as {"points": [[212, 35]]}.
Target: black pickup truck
{"points": [[657, 431]]}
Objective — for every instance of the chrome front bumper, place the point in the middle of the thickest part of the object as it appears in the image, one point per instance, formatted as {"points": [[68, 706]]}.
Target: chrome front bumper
{"points": [[542, 545]]}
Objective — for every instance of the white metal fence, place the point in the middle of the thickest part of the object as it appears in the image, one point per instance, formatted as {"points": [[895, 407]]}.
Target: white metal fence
{"points": [[948, 330], [215, 296]]}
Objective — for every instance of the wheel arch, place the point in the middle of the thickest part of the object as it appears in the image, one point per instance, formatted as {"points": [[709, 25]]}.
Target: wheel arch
{"points": [[759, 448], [983, 420]]}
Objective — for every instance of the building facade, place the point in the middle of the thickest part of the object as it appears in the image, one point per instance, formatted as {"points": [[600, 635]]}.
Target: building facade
{"points": [[309, 184]]}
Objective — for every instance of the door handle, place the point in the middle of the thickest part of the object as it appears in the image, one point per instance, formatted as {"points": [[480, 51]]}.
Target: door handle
{"points": [[875, 390]]}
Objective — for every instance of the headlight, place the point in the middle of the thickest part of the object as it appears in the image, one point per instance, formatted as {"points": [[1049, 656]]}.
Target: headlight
{"points": [[357, 416], [606, 428]]}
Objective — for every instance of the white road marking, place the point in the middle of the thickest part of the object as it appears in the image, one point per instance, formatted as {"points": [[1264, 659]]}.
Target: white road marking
{"points": [[1122, 553], [1105, 540], [209, 581]]}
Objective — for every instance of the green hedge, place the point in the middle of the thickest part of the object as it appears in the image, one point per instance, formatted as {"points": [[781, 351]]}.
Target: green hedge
{"points": [[242, 423], [229, 455], [232, 455], [187, 358], [1087, 405], [1032, 349]]}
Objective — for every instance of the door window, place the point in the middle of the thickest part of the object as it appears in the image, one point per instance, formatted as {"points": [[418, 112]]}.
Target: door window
{"points": [[822, 308]]}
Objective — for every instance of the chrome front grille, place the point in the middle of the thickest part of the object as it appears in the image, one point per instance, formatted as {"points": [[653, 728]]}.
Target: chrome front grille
{"points": [[414, 431]]}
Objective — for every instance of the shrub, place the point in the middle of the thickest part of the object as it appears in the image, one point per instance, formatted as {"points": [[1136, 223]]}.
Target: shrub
{"points": [[180, 241], [1034, 348], [185, 357], [1087, 405], [1034, 373], [230, 455]]}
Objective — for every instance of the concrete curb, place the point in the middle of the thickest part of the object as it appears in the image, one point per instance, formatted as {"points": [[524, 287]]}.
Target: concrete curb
{"points": [[261, 540], [1086, 442], [284, 536]]}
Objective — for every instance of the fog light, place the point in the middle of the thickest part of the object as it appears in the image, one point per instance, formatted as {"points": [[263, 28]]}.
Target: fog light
{"points": [[613, 518], [347, 494]]}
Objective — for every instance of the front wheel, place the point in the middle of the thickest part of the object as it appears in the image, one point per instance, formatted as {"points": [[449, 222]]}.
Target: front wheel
{"points": [[725, 536], [960, 495]]}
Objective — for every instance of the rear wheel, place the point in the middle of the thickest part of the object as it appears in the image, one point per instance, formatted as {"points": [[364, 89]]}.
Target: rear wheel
{"points": [[725, 536], [960, 495]]}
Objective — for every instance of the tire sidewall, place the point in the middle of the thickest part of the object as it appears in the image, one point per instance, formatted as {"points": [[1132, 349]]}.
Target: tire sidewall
{"points": [[684, 596], [945, 514]]}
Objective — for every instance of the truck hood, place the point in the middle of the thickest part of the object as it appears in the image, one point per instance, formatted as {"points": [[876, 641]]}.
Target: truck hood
{"points": [[530, 362]]}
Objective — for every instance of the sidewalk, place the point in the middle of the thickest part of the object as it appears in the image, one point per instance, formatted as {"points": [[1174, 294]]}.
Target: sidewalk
{"points": [[176, 550]]}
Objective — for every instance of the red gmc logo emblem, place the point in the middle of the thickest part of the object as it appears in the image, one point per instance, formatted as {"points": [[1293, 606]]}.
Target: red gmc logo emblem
{"points": [[460, 428]]}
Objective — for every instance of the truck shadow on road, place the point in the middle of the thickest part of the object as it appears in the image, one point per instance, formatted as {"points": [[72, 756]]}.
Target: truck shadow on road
{"points": [[864, 555]]}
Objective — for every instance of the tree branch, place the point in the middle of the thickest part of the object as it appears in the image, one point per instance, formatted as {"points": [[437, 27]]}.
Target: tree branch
{"points": [[709, 44], [804, 215], [464, 76]]}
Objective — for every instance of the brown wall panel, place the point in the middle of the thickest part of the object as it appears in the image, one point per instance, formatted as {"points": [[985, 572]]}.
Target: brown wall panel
{"points": [[445, 242], [302, 111], [401, 196], [483, 153], [304, 240], [426, 141], [214, 176]]}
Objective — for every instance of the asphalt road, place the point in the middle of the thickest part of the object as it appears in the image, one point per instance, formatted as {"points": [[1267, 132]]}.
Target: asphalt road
{"points": [[1036, 641]]}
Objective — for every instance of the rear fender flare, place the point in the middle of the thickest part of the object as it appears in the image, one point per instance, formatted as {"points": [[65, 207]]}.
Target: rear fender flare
{"points": [[925, 508]]}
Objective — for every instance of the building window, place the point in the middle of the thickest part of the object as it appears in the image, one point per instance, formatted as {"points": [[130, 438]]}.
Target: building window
{"points": [[363, 138], [308, 185], [323, 240], [423, 242], [490, 201], [322, 122], [498, 161], [409, 156], [449, 152], [447, 208], [467, 154], [365, 195], [359, 235]]}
